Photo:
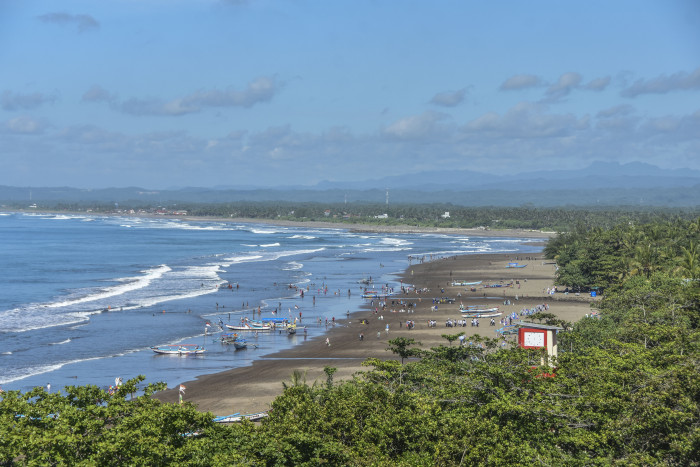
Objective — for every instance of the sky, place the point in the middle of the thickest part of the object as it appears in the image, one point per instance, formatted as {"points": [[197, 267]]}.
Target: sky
{"points": [[224, 93]]}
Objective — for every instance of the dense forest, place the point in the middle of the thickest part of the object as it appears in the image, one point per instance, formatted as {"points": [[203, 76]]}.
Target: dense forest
{"points": [[626, 388]]}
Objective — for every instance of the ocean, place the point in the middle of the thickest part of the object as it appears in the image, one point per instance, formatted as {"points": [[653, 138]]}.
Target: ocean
{"points": [[84, 297]]}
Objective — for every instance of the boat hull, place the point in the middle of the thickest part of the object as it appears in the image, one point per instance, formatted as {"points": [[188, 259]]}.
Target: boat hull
{"points": [[178, 350]]}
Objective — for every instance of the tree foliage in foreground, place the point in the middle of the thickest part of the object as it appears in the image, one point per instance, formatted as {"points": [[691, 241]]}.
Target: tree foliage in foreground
{"points": [[626, 392]]}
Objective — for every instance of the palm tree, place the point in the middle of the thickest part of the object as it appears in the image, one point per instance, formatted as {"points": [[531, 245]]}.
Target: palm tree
{"points": [[690, 263], [645, 260], [298, 379]]}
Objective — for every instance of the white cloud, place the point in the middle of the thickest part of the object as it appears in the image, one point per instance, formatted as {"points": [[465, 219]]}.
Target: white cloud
{"points": [[156, 107], [524, 120], [521, 82], [82, 22], [97, 94], [598, 84], [615, 111], [426, 125], [24, 125], [12, 101], [260, 90], [663, 84], [449, 98], [566, 83]]}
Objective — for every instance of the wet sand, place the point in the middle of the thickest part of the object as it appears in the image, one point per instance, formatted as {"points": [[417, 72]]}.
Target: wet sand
{"points": [[252, 389]]}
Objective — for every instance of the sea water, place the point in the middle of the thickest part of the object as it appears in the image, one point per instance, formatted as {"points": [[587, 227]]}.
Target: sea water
{"points": [[83, 298]]}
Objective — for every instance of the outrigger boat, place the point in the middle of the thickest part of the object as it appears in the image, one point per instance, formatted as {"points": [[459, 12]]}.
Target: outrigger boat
{"points": [[262, 321], [463, 283], [481, 314], [233, 338], [376, 294], [479, 310], [237, 417], [248, 325], [476, 307], [178, 349]]}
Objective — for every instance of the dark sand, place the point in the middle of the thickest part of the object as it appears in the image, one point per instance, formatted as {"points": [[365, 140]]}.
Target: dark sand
{"points": [[252, 389]]}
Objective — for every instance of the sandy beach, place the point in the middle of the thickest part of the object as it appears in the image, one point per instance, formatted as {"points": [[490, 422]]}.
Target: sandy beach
{"points": [[252, 389]]}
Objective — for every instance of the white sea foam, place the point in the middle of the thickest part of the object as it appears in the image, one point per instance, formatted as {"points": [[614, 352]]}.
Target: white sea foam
{"points": [[240, 259], [13, 375], [380, 249], [161, 284], [305, 237], [63, 217], [60, 343], [507, 240], [128, 284], [269, 245], [283, 254], [293, 266], [395, 241]]}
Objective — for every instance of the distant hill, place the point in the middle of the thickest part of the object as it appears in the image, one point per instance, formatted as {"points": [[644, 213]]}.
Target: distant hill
{"points": [[598, 184], [596, 175]]}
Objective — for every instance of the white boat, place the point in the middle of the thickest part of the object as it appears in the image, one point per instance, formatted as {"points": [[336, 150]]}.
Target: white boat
{"points": [[178, 349], [249, 327], [464, 283], [480, 314], [479, 310]]}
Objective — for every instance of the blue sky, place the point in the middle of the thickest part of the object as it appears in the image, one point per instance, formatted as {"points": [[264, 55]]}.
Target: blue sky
{"points": [[171, 93]]}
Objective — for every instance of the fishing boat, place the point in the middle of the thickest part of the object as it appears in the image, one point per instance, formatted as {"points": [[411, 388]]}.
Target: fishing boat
{"points": [[476, 307], [249, 325], [178, 349], [480, 314], [291, 329], [515, 265], [233, 338], [237, 417], [479, 311], [262, 321], [373, 294], [464, 283]]}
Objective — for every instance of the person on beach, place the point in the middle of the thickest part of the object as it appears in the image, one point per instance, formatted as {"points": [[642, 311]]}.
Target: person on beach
{"points": [[328, 342]]}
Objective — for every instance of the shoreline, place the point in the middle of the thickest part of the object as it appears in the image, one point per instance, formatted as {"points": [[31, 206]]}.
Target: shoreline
{"points": [[353, 227], [252, 389]]}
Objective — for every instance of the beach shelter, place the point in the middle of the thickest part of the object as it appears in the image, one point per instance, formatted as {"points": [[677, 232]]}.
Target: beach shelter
{"points": [[539, 336]]}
